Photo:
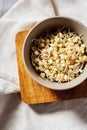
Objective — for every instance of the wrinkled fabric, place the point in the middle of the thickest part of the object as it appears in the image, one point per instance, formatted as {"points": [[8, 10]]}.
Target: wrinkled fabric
{"points": [[15, 114]]}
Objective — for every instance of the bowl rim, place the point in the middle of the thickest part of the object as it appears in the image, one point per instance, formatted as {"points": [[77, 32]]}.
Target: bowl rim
{"points": [[59, 84]]}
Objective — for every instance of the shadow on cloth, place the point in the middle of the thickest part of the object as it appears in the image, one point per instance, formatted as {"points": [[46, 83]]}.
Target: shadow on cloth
{"points": [[78, 106], [12, 102], [8, 105]]}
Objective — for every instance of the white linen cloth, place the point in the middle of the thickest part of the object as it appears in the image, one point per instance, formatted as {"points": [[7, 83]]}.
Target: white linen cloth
{"points": [[14, 114]]}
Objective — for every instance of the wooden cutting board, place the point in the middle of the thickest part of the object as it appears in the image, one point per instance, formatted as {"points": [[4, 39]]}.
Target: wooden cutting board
{"points": [[32, 92]]}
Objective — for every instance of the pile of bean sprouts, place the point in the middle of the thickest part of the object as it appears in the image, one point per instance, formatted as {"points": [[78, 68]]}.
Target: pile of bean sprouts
{"points": [[59, 56]]}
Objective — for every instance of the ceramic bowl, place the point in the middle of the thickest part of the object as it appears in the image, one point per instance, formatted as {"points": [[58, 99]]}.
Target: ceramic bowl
{"points": [[39, 29]]}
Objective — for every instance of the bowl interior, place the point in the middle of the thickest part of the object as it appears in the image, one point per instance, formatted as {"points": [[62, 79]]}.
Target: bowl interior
{"points": [[52, 24]]}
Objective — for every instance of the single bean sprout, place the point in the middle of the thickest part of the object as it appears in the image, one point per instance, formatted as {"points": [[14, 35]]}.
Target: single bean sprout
{"points": [[59, 57]]}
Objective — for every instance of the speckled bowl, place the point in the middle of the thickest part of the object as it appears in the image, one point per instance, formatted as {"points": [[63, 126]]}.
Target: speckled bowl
{"points": [[40, 28]]}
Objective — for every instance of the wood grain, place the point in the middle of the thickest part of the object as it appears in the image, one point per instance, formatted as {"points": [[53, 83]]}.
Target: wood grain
{"points": [[32, 92]]}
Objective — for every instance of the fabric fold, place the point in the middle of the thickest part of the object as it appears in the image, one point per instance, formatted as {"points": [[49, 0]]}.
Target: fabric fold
{"points": [[14, 114], [23, 15]]}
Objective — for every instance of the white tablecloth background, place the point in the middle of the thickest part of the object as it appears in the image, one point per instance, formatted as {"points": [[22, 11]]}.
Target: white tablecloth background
{"points": [[14, 114]]}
